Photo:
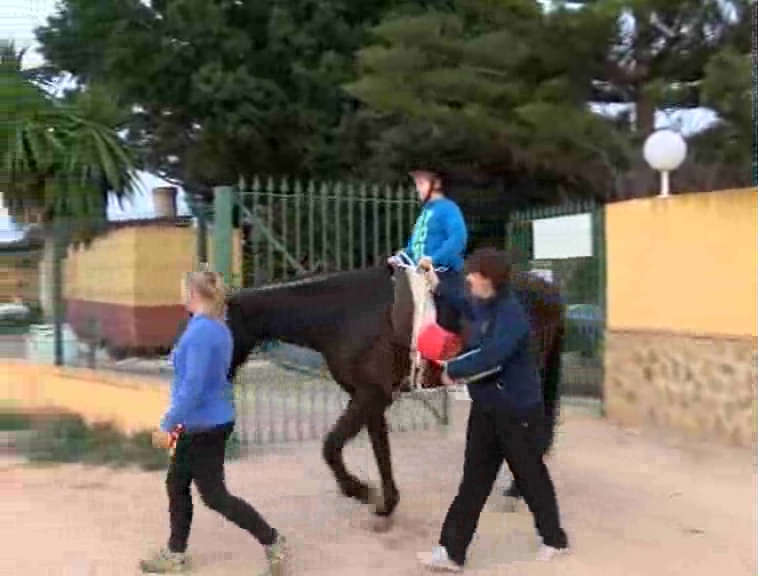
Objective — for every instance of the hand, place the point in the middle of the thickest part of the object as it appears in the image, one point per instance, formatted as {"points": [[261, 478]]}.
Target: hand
{"points": [[161, 439], [432, 279], [393, 261], [425, 263], [447, 380]]}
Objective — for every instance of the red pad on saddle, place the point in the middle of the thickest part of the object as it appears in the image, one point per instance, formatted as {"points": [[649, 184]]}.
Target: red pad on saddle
{"points": [[437, 344]]}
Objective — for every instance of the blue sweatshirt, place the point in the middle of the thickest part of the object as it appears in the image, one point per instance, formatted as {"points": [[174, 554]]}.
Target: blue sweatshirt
{"points": [[201, 394], [498, 362], [439, 233]]}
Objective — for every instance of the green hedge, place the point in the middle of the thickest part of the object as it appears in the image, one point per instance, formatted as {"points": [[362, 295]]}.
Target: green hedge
{"points": [[66, 438]]}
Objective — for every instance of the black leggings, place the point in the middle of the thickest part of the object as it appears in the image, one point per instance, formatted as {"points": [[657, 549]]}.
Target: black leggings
{"points": [[200, 458], [491, 436]]}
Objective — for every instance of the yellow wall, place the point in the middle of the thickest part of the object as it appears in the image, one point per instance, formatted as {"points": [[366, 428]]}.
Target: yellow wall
{"points": [[684, 264], [160, 270], [130, 403], [105, 271], [137, 266]]}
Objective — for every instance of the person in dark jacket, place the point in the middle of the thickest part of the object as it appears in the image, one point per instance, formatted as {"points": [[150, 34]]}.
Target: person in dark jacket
{"points": [[507, 419]]}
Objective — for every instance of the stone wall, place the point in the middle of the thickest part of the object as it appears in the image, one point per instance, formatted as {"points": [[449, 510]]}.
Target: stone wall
{"points": [[703, 386]]}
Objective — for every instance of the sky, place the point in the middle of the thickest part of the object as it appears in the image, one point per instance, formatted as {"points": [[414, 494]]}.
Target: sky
{"points": [[19, 18]]}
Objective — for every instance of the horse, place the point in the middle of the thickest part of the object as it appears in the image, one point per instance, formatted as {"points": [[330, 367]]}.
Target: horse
{"points": [[352, 320]]}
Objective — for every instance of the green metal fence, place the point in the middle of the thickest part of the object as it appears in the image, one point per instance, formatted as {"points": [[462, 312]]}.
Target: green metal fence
{"points": [[300, 227], [581, 279]]}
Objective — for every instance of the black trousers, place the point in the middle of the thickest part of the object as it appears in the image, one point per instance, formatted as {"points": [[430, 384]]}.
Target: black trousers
{"points": [[199, 457], [491, 436], [545, 443]]}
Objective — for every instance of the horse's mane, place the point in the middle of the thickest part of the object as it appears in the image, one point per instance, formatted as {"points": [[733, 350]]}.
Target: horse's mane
{"points": [[308, 282]]}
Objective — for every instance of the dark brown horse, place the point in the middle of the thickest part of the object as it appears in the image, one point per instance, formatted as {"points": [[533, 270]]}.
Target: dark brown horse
{"points": [[348, 318]]}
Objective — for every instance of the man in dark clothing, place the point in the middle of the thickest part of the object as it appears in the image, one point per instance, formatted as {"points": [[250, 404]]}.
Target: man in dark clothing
{"points": [[507, 419]]}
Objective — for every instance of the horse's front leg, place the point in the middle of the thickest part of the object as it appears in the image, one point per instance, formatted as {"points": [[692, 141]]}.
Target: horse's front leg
{"points": [[380, 442], [347, 427]]}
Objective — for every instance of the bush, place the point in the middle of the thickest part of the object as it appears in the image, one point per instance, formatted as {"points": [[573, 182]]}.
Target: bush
{"points": [[15, 422], [66, 438]]}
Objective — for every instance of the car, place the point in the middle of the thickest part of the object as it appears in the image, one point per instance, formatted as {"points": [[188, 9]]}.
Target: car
{"points": [[584, 328], [14, 312]]}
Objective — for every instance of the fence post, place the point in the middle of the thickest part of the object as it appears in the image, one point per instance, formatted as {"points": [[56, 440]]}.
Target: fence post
{"points": [[599, 251], [202, 229], [223, 207], [59, 247]]}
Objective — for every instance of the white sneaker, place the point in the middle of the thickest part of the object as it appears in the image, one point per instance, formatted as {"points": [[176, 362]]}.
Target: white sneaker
{"points": [[440, 561], [547, 553]]}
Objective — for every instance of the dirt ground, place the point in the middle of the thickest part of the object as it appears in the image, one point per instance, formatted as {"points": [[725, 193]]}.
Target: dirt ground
{"points": [[633, 504]]}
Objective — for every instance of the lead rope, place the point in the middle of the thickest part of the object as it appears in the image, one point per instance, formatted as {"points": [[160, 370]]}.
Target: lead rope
{"points": [[418, 367]]}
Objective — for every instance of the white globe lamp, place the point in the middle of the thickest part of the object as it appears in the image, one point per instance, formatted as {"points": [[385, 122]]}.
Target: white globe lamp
{"points": [[664, 151]]}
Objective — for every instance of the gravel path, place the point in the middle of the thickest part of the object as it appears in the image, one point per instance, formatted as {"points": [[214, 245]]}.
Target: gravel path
{"points": [[634, 505]]}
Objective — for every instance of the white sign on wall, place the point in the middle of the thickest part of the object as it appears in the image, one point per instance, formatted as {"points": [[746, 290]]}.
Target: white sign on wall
{"points": [[562, 237]]}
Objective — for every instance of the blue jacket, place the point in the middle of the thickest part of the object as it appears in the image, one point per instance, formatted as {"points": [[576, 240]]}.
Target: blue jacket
{"points": [[439, 233], [498, 362], [201, 394]]}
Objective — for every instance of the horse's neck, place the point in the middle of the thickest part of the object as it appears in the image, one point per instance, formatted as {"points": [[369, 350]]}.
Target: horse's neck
{"points": [[311, 313], [291, 323]]}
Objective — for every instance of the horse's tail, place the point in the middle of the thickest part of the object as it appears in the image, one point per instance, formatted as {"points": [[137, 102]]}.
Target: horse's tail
{"points": [[551, 380]]}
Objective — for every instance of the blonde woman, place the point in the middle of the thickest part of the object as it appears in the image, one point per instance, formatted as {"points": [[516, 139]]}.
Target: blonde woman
{"points": [[202, 408]]}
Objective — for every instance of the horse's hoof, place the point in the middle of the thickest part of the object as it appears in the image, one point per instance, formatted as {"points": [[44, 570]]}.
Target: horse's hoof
{"points": [[387, 506], [379, 524], [373, 497]]}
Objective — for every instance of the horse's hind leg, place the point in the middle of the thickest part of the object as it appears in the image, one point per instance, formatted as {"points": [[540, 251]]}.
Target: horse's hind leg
{"points": [[380, 442], [347, 427]]}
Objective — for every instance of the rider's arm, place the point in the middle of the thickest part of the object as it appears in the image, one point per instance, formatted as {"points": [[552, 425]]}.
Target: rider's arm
{"points": [[456, 235], [409, 245], [511, 326]]}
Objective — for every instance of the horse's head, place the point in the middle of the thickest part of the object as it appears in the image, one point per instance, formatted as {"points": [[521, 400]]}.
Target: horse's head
{"points": [[247, 321]]}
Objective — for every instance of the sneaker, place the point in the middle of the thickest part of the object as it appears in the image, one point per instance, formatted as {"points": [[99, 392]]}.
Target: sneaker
{"points": [[440, 561], [276, 554], [165, 562], [547, 553]]}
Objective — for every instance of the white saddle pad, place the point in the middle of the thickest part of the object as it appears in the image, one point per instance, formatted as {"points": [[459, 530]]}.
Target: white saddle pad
{"points": [[424, 310]]}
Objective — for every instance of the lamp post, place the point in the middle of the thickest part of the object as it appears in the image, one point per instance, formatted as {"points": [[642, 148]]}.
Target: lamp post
{"points": [[664, 151]]}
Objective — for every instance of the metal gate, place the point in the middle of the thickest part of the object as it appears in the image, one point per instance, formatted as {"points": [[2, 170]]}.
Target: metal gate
{"points": [[567, 244], [284, 393]]}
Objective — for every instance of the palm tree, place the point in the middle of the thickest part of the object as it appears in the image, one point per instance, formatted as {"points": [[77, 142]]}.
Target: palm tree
{"points": [[60, 158]]}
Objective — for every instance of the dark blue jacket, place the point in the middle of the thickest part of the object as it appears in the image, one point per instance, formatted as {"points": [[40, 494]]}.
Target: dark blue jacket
{"points": [[498, 361]]}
